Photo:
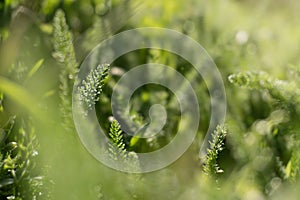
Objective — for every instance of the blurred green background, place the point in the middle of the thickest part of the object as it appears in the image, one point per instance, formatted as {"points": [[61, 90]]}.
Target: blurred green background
{"points": [[255, 45]]}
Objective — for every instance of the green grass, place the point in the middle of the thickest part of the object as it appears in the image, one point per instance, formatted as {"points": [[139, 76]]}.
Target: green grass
{"points": [[254, 155]]}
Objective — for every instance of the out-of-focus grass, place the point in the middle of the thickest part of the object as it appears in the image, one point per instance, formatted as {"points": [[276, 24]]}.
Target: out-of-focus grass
{"points": [[239, 35]]}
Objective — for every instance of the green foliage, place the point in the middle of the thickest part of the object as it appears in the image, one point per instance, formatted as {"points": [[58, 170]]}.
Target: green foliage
{"points": [[117, 149], [1, 102], [18, 178], [90, 92], [280, 125], [92, 86], [211, 166], [284, 91], [293, 167], [7, 162], [64, 53], [262, 155], [19, 70]]}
